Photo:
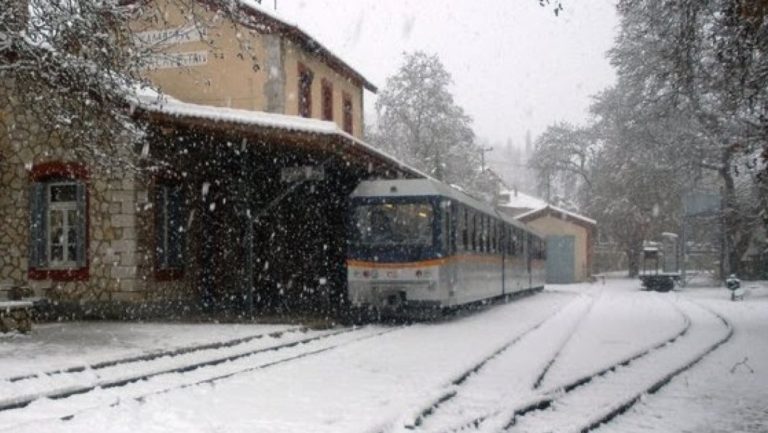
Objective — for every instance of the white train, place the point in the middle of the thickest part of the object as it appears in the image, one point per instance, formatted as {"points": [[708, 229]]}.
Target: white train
{"points": [[420, 245]]}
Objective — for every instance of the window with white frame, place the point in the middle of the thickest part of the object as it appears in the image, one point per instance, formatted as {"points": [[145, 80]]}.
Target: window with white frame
{"points": [[58, 225]]}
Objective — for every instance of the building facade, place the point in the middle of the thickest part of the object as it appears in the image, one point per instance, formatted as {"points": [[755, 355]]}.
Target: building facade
{"points": [[236, 200], [256, 61]]}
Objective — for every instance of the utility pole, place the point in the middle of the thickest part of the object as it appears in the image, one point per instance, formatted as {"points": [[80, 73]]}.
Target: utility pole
{"points": [[483, 150]]}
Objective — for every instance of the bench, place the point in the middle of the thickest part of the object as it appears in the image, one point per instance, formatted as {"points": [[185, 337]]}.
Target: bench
{"points": [[16, 314]]}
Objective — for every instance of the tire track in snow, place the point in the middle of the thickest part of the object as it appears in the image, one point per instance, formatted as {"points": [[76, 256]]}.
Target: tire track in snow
{"points": [[211, 380]]}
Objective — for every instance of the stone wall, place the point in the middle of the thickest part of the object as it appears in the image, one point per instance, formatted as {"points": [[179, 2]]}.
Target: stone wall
{"points": [[112, 228]]}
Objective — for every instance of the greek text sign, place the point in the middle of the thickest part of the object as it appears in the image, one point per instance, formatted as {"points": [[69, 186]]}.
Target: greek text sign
{"points": [[178, 60], [174, 36]]}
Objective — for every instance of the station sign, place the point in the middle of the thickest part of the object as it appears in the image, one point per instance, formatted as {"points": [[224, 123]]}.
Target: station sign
{"points": [[172, 36], [178, 60], [302, 173]]}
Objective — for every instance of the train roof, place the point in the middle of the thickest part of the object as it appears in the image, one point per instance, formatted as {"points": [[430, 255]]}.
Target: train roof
{"points": [[431, 187]]}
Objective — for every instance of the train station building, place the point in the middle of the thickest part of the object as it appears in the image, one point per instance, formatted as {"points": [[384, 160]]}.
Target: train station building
{"points": [[240, 204]]}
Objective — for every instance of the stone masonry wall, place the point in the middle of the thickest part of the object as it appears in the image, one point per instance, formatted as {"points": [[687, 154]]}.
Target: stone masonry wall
{"points": [[112, 229]]}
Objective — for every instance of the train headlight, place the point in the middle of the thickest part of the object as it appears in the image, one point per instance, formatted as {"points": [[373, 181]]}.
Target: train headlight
{"points": [[419, 273], [366, 274]]}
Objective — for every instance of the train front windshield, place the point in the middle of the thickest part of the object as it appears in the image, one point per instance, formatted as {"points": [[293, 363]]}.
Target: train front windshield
{"points": [[392, 231], [393, 224]]}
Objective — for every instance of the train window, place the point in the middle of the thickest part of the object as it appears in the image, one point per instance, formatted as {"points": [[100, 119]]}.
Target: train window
{"points": [[473, 235], [479, 233], [488, 234], [494, 236], [387, 224], [445, 215], [454, 214], [463, 228], [515, 242]]}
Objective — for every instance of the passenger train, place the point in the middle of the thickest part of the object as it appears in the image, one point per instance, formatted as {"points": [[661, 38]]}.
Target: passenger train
{"points": [[419, 245]]}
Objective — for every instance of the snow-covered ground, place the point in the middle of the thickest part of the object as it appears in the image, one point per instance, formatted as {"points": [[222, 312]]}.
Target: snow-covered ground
{"points": [[475, 371]]}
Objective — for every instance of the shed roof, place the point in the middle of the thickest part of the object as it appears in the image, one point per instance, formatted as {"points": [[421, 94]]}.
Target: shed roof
{"points": [[521, 200], [565, 214]]}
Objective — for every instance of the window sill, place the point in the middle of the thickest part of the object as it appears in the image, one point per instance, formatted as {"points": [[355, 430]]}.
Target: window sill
{"points": [[81, 274]]}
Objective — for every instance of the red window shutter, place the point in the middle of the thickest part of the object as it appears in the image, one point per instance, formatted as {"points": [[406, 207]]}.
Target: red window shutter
{"points": [[347, 108]]}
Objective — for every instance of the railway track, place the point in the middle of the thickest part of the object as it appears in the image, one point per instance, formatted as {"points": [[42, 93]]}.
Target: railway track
{"points": [[574, 407], [152, 355], [190, 374], [454, 387], [535, 399]]}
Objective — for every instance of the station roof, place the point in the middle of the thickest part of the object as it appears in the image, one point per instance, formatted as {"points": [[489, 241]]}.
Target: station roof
{"points": [[298, 132]]}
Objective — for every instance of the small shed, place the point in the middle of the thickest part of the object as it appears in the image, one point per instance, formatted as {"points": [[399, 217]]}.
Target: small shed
{"points": [[570, 242]]}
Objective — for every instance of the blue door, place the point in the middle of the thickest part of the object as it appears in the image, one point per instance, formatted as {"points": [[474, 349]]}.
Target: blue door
{"points": [[560, 259]]}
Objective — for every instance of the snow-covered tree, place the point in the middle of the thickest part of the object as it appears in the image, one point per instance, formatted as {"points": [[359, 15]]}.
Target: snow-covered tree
{"points": [[419, 122], [703, 64], [73, 65], [562, 159]]}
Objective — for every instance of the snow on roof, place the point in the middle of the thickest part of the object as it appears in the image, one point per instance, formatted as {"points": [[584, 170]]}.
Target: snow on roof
{"points": [[149, 99], [168, 105], [255, 6], [521, 200], [559, 210]]}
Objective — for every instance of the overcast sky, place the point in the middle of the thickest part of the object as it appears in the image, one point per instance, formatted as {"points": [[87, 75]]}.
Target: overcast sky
{"points": [[515, 66]]}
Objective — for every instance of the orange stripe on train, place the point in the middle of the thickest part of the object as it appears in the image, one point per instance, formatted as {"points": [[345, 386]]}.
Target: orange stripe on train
{"points": [[433, 262]]}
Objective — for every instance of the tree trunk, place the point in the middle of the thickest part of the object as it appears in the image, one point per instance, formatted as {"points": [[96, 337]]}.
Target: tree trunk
{"points": [[729, 261], [635, 256]]}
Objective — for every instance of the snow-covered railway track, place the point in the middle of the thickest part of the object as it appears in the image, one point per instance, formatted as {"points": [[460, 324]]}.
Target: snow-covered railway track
{"points": [[151, 356], [67, 402], [540, 400], [575, 407], [432, 408]]}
